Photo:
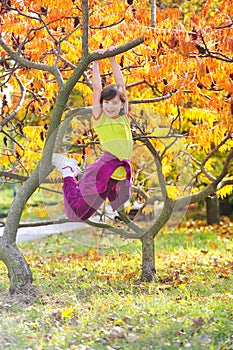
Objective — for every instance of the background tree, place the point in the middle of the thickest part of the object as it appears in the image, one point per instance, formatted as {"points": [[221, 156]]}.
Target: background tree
{"points": [[180, 89]]}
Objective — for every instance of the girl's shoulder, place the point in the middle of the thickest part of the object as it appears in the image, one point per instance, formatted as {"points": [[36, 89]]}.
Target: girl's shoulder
{"points": [[98, 116]]}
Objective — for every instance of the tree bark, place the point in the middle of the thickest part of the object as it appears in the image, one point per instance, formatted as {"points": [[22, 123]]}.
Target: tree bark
{"points": [[18, 269], [148, 258], [212, 209], [19, 272]]}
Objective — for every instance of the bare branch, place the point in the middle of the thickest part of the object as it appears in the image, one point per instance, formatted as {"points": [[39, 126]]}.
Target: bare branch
{"points": [[120, 49], [10, 175], [43, 223], [212, 187], [116, 230], [153, 100], [130, 223], [12, 139], [160, 98], [215, 149], [109, 25], [202, 168], [164, 216]]}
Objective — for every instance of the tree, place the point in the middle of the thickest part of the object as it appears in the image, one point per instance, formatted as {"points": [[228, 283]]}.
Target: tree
{"points": [[185, 134]]}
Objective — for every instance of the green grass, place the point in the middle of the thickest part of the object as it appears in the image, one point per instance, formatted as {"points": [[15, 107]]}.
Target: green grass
{"points": [[90, 293]]}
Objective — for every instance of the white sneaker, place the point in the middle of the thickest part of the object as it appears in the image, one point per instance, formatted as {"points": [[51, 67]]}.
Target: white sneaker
{"points": [[61, 162]]}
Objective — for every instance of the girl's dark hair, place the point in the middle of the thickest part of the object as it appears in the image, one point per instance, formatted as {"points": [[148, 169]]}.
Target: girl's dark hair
{"points": [[111, 91]]}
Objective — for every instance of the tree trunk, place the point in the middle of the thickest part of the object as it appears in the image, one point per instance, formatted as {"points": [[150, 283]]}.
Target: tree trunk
{"points": [[212, 209], [19, 272], [148, 258], [18, 269]]}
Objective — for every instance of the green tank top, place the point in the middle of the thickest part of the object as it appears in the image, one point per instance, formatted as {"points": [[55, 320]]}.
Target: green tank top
{"points": [[116, 138]]}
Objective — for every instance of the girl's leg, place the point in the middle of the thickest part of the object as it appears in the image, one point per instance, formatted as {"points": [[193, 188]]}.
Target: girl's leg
{"points": [[80, 206], [75, 205]]}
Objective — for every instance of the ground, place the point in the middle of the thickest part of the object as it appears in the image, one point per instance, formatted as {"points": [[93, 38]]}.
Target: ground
{"points": [[89, 294]]}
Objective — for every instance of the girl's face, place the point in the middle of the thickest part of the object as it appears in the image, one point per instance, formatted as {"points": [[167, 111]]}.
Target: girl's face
{"points": [[112, 107]]}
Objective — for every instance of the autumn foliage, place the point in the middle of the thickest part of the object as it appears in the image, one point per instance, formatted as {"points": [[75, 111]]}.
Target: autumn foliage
{"points": [[183, 70]]}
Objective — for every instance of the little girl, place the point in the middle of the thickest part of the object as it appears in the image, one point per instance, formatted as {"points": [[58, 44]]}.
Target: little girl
{"points": [[110, 176]]}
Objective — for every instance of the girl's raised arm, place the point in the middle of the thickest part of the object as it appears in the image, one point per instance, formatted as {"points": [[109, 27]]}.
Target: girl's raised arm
{"points": [[117, 73], [119, 80]]}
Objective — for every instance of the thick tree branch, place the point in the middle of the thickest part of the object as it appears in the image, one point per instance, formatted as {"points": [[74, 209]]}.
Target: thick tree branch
{"points": [[13, 176], [130, 223], [120, 49]]}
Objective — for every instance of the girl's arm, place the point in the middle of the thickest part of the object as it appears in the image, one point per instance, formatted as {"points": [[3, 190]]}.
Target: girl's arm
{"points": [[97, 88], [119, 80], [117, 73]]}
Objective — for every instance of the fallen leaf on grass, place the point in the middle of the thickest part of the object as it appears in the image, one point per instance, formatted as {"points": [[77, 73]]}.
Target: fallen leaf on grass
{"points": [[67, 312], [182, 286]]}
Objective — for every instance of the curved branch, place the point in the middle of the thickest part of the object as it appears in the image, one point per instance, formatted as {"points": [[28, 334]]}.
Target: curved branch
{"points": [[156, 99], [200, 164], [29, 64], [212, 187], [224, 183], [102, 225], [164, 216], [109, 25], [23, 61], [215, 149]]}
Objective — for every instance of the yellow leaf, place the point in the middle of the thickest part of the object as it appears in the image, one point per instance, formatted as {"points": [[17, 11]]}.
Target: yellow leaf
{"points": [[182, 286], [67, 312], [213, 245]]}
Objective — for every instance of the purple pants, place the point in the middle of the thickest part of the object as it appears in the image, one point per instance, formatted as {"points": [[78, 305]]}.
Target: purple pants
{"points": [[83, 198]]}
